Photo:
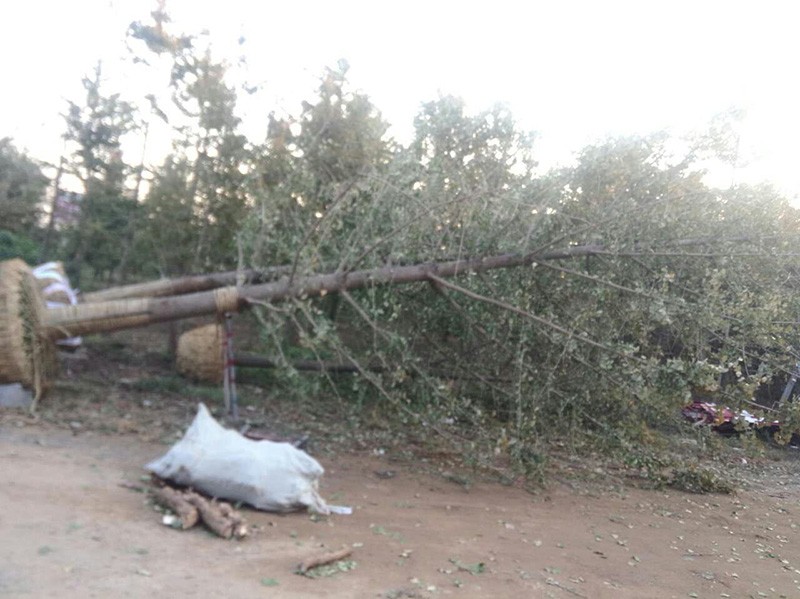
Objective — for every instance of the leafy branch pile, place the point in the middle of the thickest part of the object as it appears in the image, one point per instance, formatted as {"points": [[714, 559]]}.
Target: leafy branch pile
{"points": [[647, 286]]}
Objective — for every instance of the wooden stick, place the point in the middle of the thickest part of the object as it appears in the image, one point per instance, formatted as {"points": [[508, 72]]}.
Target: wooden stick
{"points": [[320, 560], [175, 501]]}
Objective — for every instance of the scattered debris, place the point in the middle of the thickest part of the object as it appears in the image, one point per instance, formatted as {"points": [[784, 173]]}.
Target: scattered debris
{"points": [[380, 530], [724, 420], [554, 583], [409, 592], [132, 486], [172, 521], [473, 569], [341, 510]]}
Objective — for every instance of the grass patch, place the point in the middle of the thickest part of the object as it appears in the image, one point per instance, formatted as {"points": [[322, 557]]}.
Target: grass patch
{"points": [[165, 385], [160, 384]]}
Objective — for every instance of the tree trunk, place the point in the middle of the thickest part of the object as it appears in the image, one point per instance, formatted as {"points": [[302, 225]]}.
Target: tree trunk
{"points": [[183, 285], [174, 500], [84, 319]]}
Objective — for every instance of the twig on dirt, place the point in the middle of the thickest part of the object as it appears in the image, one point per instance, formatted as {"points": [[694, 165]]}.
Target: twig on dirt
{"points": [[325, 558], [132, 486]]}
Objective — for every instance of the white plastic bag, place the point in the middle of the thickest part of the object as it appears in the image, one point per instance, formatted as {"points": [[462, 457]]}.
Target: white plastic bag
{"points": [[57, 292], [222, 463]]}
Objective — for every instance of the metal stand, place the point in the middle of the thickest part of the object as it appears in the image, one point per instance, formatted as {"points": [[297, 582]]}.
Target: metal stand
{"points": [[229, 377]]}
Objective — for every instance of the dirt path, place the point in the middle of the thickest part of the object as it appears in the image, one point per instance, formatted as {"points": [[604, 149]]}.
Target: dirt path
{"points": [[68, 530]]}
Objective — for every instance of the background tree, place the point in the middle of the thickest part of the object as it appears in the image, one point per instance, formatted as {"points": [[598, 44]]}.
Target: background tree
{"points": [[198, 195], [95, 129], [22, 188], [316, 176]]}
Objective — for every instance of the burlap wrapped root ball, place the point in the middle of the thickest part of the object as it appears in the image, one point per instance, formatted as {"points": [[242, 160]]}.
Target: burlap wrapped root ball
{"points": [[26, 356], [200, 354]]}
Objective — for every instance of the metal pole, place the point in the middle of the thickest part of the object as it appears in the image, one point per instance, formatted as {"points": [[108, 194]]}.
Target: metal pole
{"points": [[230, 370], [787, 392]]}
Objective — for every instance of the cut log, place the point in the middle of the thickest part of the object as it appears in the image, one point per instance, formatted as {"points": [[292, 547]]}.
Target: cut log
{"points": [[239, 524], [219, 517], [175, 501]]}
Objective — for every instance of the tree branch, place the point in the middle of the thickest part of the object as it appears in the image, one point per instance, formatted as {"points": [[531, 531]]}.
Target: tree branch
{"points": [[508, 307]]}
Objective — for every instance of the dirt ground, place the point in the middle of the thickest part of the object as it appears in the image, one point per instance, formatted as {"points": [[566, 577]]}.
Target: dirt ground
{"points": [[68, 529]]}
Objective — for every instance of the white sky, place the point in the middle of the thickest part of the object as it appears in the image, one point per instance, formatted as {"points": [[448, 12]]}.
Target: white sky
{"points": [[574, 71]]}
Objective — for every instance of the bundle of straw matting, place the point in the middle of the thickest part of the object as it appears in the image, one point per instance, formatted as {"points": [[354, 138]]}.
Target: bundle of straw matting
{"points": [[25, 356], [200, 354]]}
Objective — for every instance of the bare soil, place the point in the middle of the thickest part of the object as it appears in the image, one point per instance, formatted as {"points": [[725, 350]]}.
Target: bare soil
{"points": [[68, 529]]}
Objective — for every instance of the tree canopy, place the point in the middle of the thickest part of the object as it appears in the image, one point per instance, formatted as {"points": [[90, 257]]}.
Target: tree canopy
{"points": [[22, 185]]}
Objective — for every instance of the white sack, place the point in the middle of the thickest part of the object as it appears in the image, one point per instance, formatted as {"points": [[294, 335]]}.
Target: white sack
{"points": [[222, 463], [60, 285]]}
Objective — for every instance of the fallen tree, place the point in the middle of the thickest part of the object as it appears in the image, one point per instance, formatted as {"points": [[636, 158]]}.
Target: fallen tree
{"points": [[28, 329]]}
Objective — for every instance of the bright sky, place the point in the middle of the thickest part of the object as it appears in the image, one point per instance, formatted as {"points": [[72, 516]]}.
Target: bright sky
{"points": [[574, 71]]}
